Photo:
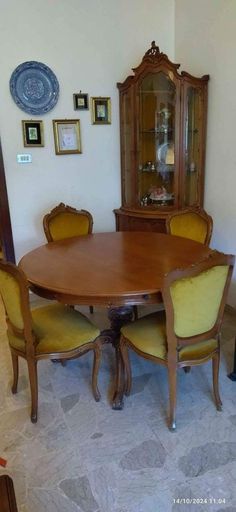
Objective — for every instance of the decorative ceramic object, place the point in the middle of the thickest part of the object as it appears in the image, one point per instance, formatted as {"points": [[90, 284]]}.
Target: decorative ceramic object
{"points": [[34, 87]]}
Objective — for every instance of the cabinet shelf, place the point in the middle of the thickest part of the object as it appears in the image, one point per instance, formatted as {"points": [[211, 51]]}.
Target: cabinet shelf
{"points": [[162, 132], [160, 172], [156, 91], [148, 173]]}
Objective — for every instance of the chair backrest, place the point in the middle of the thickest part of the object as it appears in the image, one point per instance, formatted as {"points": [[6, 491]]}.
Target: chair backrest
{"points": [[15, 297], [193, 223], [65, 222], [194, 299]]}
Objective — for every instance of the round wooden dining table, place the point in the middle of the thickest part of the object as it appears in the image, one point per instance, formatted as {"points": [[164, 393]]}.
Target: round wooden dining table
{"points": [[109, 269]]}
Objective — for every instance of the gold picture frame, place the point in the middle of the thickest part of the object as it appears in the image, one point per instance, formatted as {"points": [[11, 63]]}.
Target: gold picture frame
{"points": [[101, 110], [33, 135], [67, 137]]}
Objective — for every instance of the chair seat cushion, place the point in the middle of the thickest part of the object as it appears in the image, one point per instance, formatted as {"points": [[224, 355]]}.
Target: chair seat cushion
{"points": [[58, 329], [148, 334], [198, 350]]}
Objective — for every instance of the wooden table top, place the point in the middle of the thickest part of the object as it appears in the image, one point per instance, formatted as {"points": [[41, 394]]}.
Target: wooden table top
{"points": [[117, 268]]}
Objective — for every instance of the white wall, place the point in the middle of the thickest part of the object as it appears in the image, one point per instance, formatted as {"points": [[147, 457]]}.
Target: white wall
{"points": [[205, 43], [90, 45]]}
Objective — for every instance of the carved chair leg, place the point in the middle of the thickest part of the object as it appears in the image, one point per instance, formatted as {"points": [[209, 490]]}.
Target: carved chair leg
{"points": [[15, 366], [172, 376], [135, 312], [127, 366], [91, 309], [33, 377], [215, 374], [96, 365], [232, 375], [187, 369]]}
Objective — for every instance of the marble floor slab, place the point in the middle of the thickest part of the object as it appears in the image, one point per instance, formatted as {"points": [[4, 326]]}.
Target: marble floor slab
{"points": [[82, 456]]}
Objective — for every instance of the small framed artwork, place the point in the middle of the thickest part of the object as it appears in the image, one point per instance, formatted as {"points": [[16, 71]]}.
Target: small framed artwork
{"points": [[81, 101], [67, 136], [33, 133], [101, 110]]}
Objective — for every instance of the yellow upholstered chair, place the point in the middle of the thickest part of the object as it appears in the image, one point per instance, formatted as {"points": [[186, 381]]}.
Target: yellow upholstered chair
{"points": [[65, 222], [187, 333], [193, 223], [50, 332]]}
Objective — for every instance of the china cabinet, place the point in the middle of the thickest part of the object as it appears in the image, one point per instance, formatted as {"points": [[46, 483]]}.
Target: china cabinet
{"points": [[163, 135]]}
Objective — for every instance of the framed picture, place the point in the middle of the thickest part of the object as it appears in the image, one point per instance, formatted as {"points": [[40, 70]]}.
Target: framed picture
{"points": [[67, 136], [33, 133], [101, 110], [81, 101]]}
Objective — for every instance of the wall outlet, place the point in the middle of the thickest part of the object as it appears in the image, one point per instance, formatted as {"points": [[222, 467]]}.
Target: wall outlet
{"points": [[25, 158]]}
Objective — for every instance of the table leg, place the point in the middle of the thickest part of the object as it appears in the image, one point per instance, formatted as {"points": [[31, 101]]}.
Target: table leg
{"points": [[118, 317], [117, 401], [232, 375]]}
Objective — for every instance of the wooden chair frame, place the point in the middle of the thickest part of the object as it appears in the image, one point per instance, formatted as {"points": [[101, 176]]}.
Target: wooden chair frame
{"points": [[198, 211], [175, 343], [28, 335], [62, 208]]}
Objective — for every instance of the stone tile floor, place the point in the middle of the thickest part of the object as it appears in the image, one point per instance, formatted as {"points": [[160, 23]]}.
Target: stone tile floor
{"points": [[82, 456]]}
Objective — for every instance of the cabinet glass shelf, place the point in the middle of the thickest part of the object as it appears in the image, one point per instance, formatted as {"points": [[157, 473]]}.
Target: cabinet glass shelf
{"points": [[161, 130]]}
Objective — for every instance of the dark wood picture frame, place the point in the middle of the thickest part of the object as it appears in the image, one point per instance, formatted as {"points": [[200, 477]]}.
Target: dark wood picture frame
{"points": [[101, 110], [81, 101], [33, 133]]}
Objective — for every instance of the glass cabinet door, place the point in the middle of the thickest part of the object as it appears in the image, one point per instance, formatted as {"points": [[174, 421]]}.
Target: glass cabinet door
{"points": [[156, 141], [193, 144]]}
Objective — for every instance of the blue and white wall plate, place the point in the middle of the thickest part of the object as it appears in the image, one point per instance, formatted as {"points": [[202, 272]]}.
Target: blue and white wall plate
{"points": [[34, 87]]}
